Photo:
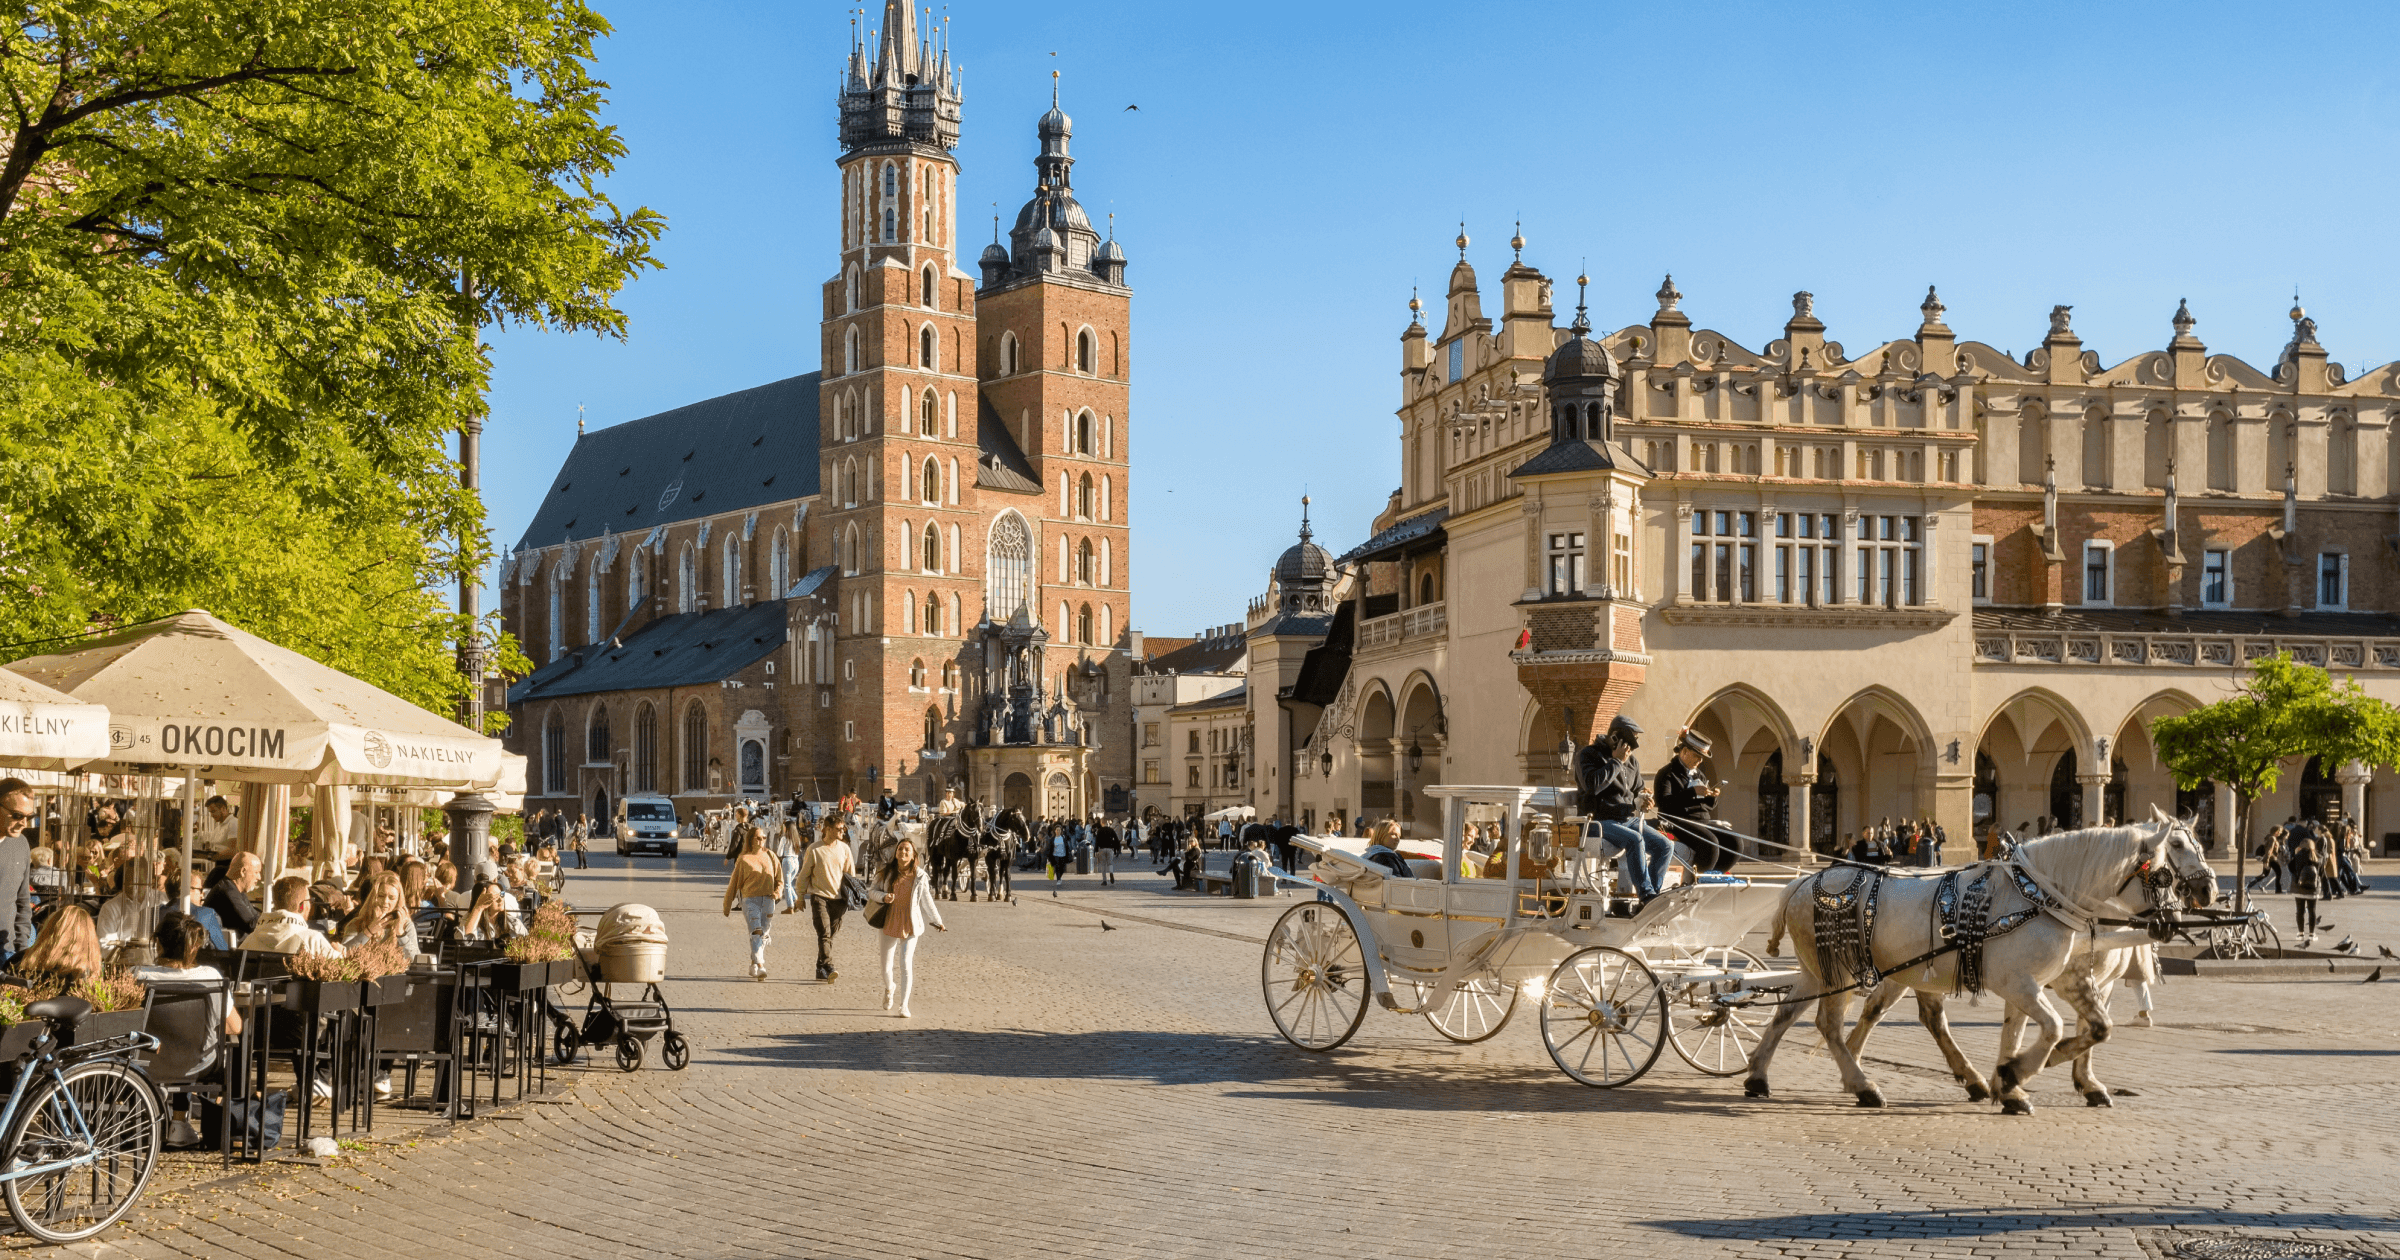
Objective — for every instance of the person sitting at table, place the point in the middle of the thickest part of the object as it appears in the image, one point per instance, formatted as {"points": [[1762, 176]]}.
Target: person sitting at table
{"points": [[65, 951], [284, 930], [328, 904], [230, 897], [130, 915], [180, 938], [368, 868], [443, 893], [488, 917], [415, 876], [382, 916]]}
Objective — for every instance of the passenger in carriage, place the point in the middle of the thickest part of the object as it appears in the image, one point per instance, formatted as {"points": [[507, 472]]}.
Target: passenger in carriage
{"points": [[1610, 792], [1385, 851], [1685, 795]]}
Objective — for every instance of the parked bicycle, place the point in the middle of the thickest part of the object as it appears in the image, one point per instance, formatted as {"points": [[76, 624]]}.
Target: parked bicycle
{"points": [[79, 1137]]}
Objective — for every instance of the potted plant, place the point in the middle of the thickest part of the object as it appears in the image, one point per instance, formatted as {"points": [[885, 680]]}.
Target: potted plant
{"points": [[118, 1007], [546, 951], [324, 984], [383, 971]]}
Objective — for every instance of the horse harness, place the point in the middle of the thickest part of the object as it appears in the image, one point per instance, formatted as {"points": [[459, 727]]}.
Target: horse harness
{"points": [[1962, 918], [1843, 923]]}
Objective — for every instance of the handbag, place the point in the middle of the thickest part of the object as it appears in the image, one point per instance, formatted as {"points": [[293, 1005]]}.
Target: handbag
{"points": [[876, 916]]}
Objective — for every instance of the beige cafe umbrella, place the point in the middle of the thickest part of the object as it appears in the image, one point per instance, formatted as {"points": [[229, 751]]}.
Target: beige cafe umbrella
{"points": [[43, 729], [190, 693]]}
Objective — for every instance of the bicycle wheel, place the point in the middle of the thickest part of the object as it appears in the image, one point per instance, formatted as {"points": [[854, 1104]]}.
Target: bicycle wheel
{"points": [[100, 1120]]}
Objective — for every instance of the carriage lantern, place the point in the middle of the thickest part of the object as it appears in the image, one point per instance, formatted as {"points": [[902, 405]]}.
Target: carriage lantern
{"points": [[1416, 755], [1327, 762]]}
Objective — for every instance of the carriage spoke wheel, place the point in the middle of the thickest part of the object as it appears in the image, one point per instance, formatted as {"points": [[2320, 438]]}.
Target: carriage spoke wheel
{"points": [[1604, 1017], [1719, 1038], [102, 1124], [1314, 973], [1475, 1010]]}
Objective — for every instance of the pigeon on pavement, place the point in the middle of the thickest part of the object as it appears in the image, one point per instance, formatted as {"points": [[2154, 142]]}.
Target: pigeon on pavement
{"points": [[2347, 946], [2373, 976], [1107, 926], [2387, 951]]}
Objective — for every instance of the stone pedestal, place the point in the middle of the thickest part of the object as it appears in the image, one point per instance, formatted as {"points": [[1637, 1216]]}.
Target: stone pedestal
{"points": [[470, 835]]}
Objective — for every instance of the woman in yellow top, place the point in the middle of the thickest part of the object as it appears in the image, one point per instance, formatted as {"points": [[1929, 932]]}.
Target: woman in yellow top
{"points": [[755, 882]]}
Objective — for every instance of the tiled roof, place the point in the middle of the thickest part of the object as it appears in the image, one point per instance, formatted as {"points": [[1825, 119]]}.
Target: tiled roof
{"points": [[1400, 534], [1003, 465], [718, 455], [2194, 621], [1200, 656], [683, 650]]}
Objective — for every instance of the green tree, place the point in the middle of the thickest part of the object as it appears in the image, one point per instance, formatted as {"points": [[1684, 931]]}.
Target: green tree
{"points": [[2284, 711], [245, 253]]}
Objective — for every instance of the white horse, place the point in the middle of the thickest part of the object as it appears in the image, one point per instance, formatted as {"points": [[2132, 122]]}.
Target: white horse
{"points": [[1854, 928], [2101, 969]]}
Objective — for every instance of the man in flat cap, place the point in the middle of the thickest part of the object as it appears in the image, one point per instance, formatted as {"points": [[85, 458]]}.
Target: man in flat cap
{"points": [[1687, 797]]}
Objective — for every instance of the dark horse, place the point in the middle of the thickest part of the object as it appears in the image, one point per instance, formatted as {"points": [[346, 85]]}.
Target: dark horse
{"points": [[966, 851]]}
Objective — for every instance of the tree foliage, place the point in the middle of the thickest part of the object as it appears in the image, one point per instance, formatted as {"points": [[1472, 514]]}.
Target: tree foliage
{"points": [[245, 251], [2284, 711]]}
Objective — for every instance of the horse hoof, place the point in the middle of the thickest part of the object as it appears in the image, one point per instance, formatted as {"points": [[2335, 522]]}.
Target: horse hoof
{"points": [[2008, 1076], [1755, 1087], [2097, 1098], [2015, 1107], [1977, 1091], [1870, 1098]]}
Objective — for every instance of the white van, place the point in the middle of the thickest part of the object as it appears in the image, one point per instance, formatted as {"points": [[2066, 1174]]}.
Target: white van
{"points": [[648, 822]]}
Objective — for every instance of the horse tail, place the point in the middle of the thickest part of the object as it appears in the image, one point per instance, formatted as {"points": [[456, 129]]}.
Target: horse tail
{"points": [[1775, 927]]}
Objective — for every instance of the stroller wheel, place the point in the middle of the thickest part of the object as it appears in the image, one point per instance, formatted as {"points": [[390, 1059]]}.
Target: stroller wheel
{"points": [[564, 1043], [675, 1052], [629, 1054]]}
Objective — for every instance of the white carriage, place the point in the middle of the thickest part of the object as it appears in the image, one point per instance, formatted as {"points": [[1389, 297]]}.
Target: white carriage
{"points": [[1464, 950]]}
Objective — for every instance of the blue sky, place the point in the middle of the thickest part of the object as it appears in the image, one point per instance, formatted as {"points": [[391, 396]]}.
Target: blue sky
{"points": [[1294, 169]]}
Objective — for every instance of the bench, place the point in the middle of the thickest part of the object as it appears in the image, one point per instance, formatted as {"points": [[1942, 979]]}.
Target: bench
{"points": [[1216, 869]]}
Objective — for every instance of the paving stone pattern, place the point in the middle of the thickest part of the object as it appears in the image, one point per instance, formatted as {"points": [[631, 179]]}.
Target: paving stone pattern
{"points": [[1070, 1091]]}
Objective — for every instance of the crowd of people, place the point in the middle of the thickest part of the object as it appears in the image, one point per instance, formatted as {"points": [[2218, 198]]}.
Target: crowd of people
{"points": [[2319, 860], [1908, 842]]}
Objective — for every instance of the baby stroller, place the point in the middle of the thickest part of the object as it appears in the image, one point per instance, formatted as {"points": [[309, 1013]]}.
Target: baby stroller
{"points": [[627, 950]]}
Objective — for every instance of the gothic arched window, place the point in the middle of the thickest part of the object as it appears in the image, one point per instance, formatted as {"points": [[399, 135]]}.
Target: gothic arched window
{"points": [[933, 729], [1084, 354], [916, 674], [929, 290], [591, 603], [645, 749], [695, 748], [1008, 567], [1008, 354], [1083, 433], [687, 580], [925, 348], [933, 548], [929, 415], [931, 481], [933, 615], [1083, 562], [1083, 625], [596, 743], [730, 591]]}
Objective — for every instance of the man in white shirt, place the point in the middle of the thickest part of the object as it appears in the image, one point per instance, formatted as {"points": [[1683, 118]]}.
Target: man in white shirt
{"points": [[220, 833], [285, 929]]}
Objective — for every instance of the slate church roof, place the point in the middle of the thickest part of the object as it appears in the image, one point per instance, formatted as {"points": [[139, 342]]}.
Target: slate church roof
{"points": [[719, 455], [683, 650]]}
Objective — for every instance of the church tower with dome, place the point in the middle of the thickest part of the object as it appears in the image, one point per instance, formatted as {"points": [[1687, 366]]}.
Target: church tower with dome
{"points": [[1053, 322]]}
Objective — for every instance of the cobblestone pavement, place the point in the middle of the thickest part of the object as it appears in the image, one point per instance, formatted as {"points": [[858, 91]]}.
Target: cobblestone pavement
{"points": [[1066, 1090]]}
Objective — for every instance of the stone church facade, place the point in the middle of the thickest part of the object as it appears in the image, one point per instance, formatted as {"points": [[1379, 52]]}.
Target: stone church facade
{"points": [[904, 572], [1923, 579]]}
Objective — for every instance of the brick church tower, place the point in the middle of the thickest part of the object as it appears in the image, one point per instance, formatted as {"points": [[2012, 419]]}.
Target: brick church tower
{"points": [[973, 464]]}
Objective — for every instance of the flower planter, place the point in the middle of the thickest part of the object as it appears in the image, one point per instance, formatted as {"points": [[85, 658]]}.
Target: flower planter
{"points": [[102, 1024], [520, 976], [384, 991], [321, 997], [457, 953]]}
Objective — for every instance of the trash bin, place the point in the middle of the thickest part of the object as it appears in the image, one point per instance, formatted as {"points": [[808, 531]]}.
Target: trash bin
{"points": [[1083, 859], [1249, 873]]}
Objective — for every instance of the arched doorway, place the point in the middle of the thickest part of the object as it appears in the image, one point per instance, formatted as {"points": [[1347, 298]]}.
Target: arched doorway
{"points": [[2320, 796], [1774, 803], [600, 806], [2066, 795], [1824, 806], [1059, 798], [1017, 794]]}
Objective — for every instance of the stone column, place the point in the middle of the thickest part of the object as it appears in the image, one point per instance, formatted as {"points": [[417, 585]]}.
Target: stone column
{"points": [[2226, 807], [2354, 777], [2094, 800], [470, 835], [1796, 821]]}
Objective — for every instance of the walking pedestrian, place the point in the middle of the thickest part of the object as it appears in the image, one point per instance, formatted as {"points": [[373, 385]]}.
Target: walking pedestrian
{"points": [[908, 900], [755, 883], [1104, 852], [2308, 882], [2271, 861], [822, 871], [583, 846], [786, 848], [1061, 853]]}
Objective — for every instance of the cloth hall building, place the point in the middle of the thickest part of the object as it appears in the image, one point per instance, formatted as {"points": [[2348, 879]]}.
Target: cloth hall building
{"points": [[904, 572], [1919, 579]]}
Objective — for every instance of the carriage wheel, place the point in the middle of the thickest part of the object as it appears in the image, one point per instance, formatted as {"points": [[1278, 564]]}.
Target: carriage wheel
{"points": [[1713, 1038], [1475, 1010], [1314, 973], [1604, 1017], [629, 1054], [674, 1051]]}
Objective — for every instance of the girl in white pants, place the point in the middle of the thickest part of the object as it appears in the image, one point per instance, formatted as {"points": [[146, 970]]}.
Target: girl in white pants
{"points": [[908, 899]]}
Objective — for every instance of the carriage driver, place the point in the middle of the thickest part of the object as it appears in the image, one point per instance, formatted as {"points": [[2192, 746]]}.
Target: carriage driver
{"points": [[1686, 795], [1610, 792]]}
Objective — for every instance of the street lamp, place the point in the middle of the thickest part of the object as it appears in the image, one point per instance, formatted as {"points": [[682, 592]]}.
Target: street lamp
{"points": [[1416, 755], [1327, 762]]}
